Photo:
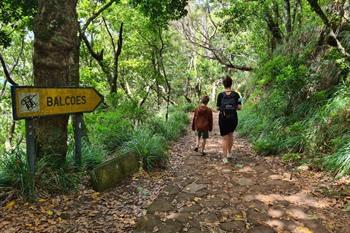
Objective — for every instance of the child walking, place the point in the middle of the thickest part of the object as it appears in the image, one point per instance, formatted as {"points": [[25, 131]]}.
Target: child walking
{"points": [[202, 123]]}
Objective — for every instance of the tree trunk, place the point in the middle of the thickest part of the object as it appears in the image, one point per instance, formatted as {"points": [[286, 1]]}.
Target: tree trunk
{"points": [[11, 132], [273, 27], [164, 74], [156, 75], [55, 44], [296, 17], [314, 5], [333, 37], [288, 16], [187, 89], [117, 53]]}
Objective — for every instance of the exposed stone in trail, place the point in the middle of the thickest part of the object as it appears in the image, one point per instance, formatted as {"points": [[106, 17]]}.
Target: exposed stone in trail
{"points": [[250, 194]]}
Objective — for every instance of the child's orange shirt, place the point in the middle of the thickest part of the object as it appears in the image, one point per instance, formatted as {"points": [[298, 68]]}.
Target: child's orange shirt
{"points": [[203, 119]]}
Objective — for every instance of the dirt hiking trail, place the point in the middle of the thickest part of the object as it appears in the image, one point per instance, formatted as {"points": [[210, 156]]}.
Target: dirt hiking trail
{"points": [[251, 194]]}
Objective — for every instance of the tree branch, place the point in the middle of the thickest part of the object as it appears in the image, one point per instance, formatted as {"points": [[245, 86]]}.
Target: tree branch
{"points": [[314, 5], [273, 26], [109, 33], [96, 14], [218, 55], [148, 90], [116, 58], [120, 42], [6, 72], [97, 56], [19, 56], [3, 89]]}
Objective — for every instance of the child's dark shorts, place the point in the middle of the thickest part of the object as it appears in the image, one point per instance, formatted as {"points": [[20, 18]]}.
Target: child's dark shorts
{"points": [[203, 134]]}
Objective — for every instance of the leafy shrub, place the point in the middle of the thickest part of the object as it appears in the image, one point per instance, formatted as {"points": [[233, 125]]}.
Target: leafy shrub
{"points": [[181, 117], [177, 124], [292, 157], [14, 171], [267, 145], [171, 129], [188, 107], [111, 129], [49, 177], [151, 139], [149, 146], [329, 124], [158, 125], [53, 179], [133, 112], [339, 162], [91, 155]]}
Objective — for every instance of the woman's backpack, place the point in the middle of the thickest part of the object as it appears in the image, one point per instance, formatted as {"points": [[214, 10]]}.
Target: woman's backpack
{"points": [[228, 105]]}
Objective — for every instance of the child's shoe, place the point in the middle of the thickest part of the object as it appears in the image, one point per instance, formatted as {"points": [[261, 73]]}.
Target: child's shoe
{"points": [[224, 160], [196, 149]]}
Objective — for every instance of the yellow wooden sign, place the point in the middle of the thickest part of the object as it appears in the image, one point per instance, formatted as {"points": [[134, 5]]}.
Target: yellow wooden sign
{"points": [[30, 102]]}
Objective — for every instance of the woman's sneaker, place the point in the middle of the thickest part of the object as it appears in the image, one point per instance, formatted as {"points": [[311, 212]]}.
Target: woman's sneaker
{"points": [[224, 160], [230, 156]]}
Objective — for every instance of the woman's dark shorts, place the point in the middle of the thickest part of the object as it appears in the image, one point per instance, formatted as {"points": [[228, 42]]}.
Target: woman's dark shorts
{"points": [[227, 125]]}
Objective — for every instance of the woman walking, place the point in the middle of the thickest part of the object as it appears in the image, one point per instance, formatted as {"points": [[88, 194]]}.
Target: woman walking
{"points": [[228, 103]]}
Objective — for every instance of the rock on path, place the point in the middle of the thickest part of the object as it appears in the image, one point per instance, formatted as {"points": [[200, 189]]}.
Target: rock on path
{"points": [[250, 194]]}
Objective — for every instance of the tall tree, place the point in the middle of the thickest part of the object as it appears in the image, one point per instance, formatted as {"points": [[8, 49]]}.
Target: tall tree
{"points": [[334, 29], [55, 43]]}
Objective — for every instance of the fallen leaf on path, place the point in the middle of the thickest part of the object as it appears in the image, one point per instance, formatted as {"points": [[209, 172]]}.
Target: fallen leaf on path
{"points": [[347, 208], [303, 230], [10, 205], [238, 217], [95, 195]]}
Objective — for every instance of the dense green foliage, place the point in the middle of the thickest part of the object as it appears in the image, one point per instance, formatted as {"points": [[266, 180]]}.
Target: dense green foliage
{"points": [[115, 131], [299, 101], [15, 15], [162, 11], [112, 133]]}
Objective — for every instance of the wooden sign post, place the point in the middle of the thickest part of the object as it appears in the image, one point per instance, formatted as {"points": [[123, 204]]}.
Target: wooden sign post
{"points": [[78, 134], [31, 102]]}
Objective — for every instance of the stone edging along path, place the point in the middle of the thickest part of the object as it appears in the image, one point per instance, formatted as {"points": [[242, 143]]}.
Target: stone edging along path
{"points": [[251, 194]]}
